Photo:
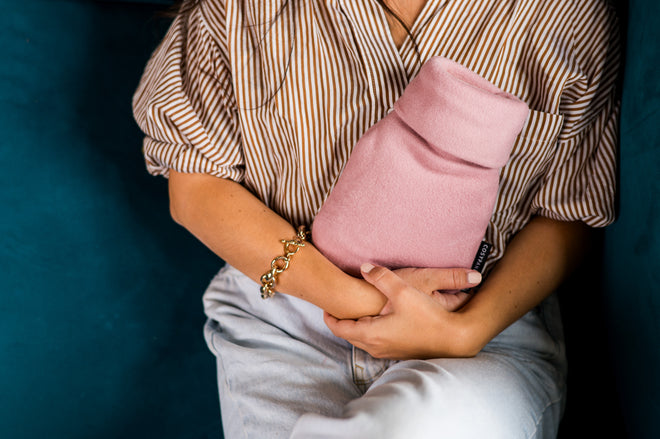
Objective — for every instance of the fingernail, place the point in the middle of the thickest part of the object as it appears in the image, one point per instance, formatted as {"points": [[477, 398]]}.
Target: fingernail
{"points": [[366, 267], [474, 277]]}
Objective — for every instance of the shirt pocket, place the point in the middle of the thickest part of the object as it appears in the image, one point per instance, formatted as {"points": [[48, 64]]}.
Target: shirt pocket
{"points": [[530, 158]]}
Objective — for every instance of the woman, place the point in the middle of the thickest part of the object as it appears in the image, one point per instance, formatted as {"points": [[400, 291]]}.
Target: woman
{"points": [[251, 109]]}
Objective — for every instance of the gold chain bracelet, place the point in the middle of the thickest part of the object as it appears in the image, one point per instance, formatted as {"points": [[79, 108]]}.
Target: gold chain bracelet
{"points": [[281, 263]]}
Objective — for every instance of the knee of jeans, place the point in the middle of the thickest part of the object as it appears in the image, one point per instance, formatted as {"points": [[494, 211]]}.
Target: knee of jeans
{"points": [[464, 418], [502, 406]]}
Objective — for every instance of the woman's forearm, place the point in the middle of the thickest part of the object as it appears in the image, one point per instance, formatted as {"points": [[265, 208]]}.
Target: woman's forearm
{"points": [[535, 263], [246, 234]]}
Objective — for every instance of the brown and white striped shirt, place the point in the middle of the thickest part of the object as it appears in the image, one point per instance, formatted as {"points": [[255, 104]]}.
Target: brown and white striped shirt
{"points": [[276, 96]]}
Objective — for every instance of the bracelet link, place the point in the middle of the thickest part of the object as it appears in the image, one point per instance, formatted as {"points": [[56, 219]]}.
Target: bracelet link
{"points": [[281, 263]]}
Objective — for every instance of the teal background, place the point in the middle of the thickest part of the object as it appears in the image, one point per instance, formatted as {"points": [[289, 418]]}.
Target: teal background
{"points": [[100, 292], [632, 245]]}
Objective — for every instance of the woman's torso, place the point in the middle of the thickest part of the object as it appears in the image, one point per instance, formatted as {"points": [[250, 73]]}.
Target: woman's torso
{"points": [[306, 80]]}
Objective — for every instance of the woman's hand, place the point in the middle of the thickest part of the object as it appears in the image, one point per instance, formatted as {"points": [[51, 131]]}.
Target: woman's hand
{"points": [[414, 325], [415, 322]]}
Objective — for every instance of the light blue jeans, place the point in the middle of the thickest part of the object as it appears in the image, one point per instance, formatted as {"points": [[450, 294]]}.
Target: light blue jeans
{"points": [[282, 373]]}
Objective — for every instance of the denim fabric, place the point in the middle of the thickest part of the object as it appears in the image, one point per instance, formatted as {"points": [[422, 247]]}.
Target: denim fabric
{"points": [[281, 373]]}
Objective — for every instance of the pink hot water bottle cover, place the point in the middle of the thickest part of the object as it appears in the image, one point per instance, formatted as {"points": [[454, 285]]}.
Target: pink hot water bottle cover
{"points": [[420, 185]]}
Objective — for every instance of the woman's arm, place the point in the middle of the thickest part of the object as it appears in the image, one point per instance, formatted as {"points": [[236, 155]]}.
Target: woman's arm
{"points": [[538, 259], [246, 234], [413, 325]]}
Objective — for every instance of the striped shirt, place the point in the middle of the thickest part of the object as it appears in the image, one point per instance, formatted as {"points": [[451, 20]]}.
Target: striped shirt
{"points": [[275, 96]]}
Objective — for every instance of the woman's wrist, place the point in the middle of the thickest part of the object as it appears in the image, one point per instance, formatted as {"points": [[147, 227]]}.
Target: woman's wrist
{"points": [[469, 331], [329, 288], [356, 299]]}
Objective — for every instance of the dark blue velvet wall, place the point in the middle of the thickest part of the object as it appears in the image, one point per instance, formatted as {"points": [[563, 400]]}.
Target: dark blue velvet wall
{"points": [[100, 292], [632, 245]]}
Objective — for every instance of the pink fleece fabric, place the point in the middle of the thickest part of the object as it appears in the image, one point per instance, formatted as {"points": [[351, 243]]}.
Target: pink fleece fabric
{"points": [[420, 185]]}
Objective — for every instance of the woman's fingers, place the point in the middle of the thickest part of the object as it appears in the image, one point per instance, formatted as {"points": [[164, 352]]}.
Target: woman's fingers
{"points": [[386, 281], [433, 279], [353, 331]]}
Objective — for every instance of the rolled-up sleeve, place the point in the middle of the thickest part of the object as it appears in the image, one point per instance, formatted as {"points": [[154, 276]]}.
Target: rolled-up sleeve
{"points": [[580, 183], [185, 105]]}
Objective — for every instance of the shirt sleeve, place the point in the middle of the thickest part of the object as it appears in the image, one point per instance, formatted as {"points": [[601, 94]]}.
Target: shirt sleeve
{"points": [[580, 183], [185, 105]]}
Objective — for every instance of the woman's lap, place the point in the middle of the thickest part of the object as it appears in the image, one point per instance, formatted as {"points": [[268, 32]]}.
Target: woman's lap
{"points": [[280, 368]]}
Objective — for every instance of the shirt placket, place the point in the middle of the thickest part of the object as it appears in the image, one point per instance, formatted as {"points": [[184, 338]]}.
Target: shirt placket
{"points": [[380, 60]]}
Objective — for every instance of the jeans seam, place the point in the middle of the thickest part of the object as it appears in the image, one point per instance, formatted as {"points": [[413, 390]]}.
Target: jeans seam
{"points": [[226, 384], [363, 384], [540, 418]]}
